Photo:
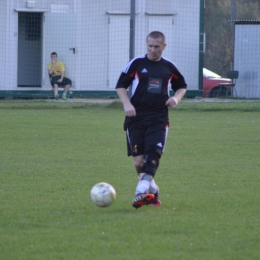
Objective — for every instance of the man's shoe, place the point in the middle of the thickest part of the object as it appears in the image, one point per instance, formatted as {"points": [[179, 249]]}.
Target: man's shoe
{"points": [[64, 97], [56, 96], [142, 199], [156, 202]]}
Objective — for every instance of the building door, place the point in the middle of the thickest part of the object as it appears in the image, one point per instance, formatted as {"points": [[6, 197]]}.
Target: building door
{"points": [[118, 53], [29, 72], [59, 35]]}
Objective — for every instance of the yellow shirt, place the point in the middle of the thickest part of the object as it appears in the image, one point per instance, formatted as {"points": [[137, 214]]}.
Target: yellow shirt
{"points": [[58, 68]]}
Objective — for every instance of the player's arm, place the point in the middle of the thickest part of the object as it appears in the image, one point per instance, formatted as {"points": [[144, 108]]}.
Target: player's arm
{"points": [[62, 76], [124, 81], [179, 86], [62, 69], [51, 67], [174, 101], [128, 107], [51, 70]]}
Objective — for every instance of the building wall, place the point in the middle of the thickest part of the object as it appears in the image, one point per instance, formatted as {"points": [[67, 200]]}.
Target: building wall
{"points": [[3, 36], [93, 48], [185, 53], [47, 4], [247, 56], [9, 45], [95, 63]]}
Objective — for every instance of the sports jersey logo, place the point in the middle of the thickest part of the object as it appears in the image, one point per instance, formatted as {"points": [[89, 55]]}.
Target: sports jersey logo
{"points": [[154, 85], [144, 70], [135, 149]]}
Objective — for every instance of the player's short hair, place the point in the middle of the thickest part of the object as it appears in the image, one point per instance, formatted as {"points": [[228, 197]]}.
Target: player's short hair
{"points": [[156, 35], [54, 53]]}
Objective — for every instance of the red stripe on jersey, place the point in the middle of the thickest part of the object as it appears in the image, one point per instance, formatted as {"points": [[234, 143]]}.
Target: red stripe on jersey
{"points": [[138, 76], [135, 73], [132, 75], [175, 76]]}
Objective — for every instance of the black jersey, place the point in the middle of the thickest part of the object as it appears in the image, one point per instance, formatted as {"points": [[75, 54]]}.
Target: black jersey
{"points": [[149, 82]]}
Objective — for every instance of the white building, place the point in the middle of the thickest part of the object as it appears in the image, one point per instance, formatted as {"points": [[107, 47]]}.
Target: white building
{"points": [[247, 58], [92, 39]]}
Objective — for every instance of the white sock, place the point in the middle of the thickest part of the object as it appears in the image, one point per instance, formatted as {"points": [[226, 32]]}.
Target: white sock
{"points": [[153, 187], [142, 187]]}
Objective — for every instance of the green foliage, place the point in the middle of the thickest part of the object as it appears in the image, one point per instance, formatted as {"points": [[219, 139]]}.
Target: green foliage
{"points": [[248, 10], [53, 153]]}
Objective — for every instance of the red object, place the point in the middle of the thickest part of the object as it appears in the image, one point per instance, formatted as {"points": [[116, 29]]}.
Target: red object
{"points": [[211, 81]]}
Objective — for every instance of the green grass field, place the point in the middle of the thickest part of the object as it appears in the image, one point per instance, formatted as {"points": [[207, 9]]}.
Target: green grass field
{"points": [[52, 153]]}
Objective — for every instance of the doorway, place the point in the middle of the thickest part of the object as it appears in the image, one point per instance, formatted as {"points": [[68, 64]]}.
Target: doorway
{"points": [[59, 30], [117, 55], [29, 72]]}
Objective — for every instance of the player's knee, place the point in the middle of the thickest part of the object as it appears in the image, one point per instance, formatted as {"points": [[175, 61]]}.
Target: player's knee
{"points": [[147, 177], [151, 160]]}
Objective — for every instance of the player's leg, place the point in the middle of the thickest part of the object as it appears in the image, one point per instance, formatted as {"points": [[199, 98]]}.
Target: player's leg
{"points": [[154, 189], [155, 143], [56, 91], [66, 89], [146, 183], [54, 83], [138, 163], [67, 83], [135, 148]]}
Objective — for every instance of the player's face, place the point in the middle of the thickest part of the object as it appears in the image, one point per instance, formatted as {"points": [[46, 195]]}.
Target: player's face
{"points": [[155, 48], [54, 57]]}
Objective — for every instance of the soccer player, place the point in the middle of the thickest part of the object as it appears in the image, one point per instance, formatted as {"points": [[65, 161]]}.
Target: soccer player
{"points": [[56, 70], [146, 122]]}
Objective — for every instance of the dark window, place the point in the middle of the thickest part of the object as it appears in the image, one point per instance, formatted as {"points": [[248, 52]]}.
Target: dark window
{"points": [[33, 27]]}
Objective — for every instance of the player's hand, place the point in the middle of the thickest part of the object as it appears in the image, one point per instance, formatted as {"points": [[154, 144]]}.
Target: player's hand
{"points": [[172, 102], [59, 80], [129, 110]]}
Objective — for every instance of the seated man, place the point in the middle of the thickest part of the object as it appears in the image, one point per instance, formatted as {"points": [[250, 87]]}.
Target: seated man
{"points": [[56, 71]]}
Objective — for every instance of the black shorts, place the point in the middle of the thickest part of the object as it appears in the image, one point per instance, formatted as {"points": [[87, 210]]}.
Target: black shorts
{"points": [[139, 138], [65, 81]]}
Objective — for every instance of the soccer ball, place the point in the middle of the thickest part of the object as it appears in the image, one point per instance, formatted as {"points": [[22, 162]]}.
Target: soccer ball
{"points": [[103, 194]]}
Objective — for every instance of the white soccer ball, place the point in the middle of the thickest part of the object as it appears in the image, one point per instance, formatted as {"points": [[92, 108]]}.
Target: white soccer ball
{"points": [[103, 194]]}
